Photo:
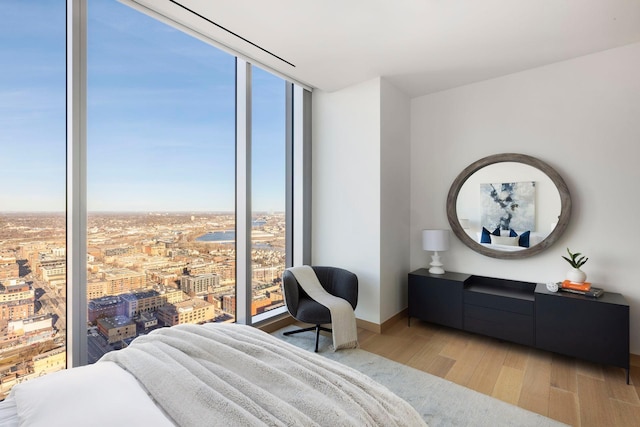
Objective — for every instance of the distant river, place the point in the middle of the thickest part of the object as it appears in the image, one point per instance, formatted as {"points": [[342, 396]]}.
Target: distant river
{"points": [[218, 236], [227, 235]]}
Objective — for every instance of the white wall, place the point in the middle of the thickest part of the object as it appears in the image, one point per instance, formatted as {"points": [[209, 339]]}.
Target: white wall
{"points": [[361, 191], [581, 116], [346, 188], [395, 200]]}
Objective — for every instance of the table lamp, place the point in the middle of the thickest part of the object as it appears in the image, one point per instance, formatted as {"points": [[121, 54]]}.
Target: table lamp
{"points": [[436, 241]]}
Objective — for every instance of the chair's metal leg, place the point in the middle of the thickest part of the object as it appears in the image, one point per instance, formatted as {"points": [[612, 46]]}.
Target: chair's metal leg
{"points": [[299, 330], [317, 328]]}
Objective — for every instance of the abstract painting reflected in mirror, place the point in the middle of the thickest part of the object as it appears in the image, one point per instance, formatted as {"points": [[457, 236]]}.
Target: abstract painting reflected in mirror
{"points": [[509, 205]]}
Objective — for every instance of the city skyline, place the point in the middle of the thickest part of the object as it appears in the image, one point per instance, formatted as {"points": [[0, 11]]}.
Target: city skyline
{"points": [[143, 272], [161, 116], [165, 212]]}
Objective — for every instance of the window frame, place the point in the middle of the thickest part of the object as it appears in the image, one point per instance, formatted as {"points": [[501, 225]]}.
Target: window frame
{"points": [[298, 175]]}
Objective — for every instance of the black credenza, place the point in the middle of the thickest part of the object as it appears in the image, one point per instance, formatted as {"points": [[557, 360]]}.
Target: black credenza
{"points": [[593, 329]]}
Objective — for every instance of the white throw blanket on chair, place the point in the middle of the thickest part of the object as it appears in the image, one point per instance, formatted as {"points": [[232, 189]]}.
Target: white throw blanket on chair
{"points": [[343, 319]]}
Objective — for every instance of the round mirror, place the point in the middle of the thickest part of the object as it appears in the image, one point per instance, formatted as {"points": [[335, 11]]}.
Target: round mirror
{"points": [[508, 206]]}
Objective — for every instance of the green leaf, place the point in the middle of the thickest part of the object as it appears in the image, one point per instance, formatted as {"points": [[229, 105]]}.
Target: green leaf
{"points": [[576, 260]]}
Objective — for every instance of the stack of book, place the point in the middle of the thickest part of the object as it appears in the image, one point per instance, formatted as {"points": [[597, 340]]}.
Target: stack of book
{"points": [[581, 288]]}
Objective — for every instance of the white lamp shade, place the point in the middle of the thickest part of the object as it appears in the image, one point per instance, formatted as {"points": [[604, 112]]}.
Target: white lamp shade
{"points": [[435, 240]]}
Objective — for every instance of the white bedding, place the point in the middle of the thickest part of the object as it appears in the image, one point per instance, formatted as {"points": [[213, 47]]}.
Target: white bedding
{"points": [[506, 248], [214, 374], [9, 412], [102, 394]]}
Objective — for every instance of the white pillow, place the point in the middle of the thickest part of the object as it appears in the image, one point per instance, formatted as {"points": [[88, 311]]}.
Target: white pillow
{"points": [[535, 238], [101, 394], [503, 240]]}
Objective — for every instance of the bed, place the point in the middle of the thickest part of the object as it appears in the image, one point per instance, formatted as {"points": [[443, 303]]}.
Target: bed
{"points": [[508, 240], [505, 248], [207, 375]]}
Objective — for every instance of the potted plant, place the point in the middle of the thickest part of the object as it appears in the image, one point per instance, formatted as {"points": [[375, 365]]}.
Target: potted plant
{"points": [[576, 261]]}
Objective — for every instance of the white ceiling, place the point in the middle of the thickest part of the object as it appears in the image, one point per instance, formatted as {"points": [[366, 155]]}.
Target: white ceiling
{"points": [[421, 46]]}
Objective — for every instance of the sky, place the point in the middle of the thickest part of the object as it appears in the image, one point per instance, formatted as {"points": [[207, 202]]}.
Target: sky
{"points": [[160, 115], [32, 105]]}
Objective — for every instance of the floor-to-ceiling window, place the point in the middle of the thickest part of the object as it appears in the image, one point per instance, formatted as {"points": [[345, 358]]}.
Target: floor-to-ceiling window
{"points": [[148, 148], [268, 190], [162, 186], [32, 194], [160, 177]]}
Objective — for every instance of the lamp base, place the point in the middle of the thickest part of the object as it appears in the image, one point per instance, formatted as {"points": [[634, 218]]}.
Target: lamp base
{"points": [[436, 265]]}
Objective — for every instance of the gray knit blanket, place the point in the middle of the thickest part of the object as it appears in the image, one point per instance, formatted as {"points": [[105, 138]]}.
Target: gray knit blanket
{"points": [[236, 375]]}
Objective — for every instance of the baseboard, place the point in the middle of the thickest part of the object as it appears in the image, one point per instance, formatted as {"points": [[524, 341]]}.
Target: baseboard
{"points": [[275, 323], [378, 329], [635, 360], [368, 326], [394, 319], [272, 325]]}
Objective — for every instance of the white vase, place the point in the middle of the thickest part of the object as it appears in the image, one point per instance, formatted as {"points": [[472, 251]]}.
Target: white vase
{"points": [[575, 275]]}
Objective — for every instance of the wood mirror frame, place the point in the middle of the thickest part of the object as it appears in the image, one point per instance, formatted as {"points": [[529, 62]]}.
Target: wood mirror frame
{"points": [[561, 186]]}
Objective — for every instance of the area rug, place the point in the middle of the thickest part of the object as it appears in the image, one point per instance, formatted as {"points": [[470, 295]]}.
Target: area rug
{"points": [[440, 402]]}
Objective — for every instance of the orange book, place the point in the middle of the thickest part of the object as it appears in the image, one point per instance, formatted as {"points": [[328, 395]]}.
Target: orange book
{"points": [[567, 284]]}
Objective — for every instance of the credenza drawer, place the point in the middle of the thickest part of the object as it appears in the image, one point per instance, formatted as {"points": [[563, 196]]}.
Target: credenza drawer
{"points": [[499, 302], [500, 324]]}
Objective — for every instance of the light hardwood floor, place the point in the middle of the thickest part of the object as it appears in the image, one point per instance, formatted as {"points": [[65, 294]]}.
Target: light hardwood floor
{"points": [[575, 392]]}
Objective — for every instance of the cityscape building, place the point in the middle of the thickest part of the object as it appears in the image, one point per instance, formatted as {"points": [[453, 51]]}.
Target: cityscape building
{"points": [[138, 302], [199, 284], [189, 311], [179, 280], [116, 328]]}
